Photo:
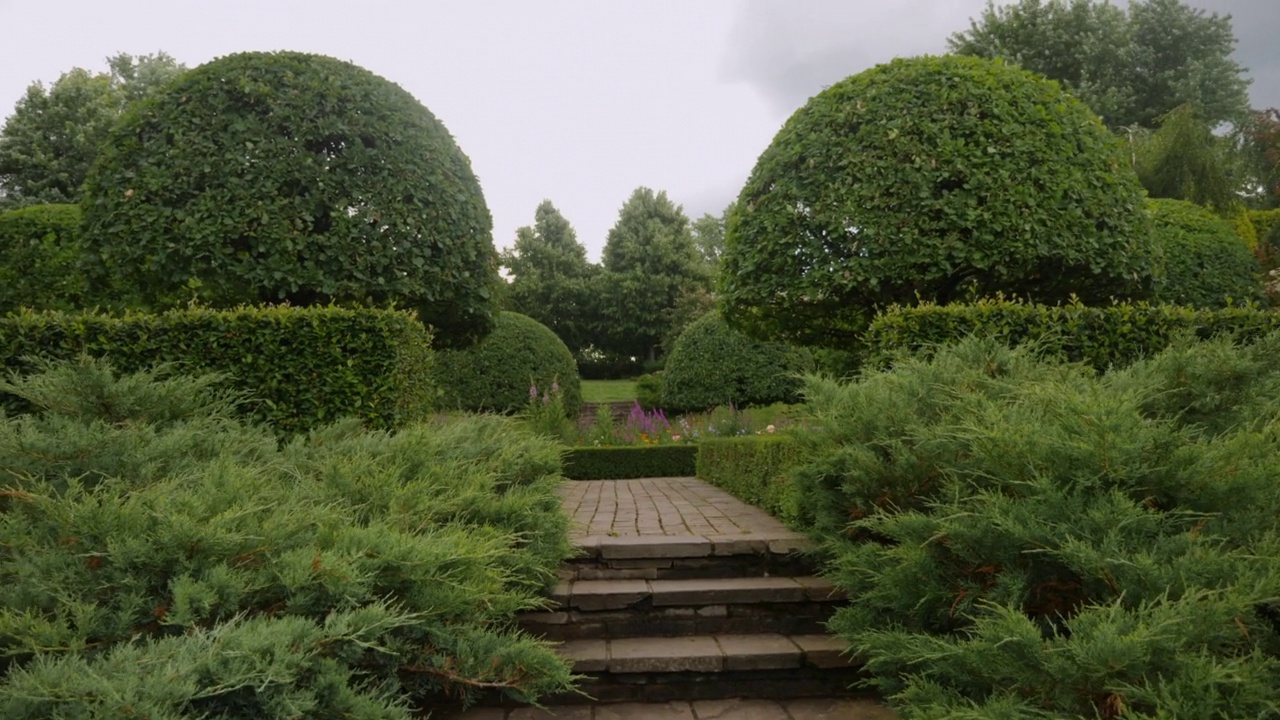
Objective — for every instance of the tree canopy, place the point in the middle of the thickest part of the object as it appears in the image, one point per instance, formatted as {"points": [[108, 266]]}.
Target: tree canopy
{"points": [[550, 277], [935, 178], [52, 137], [650, 261], [289, 177], [1130, 65]]}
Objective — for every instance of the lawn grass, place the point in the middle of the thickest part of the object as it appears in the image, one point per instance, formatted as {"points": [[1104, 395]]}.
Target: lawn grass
{"points": [[604, 391]]}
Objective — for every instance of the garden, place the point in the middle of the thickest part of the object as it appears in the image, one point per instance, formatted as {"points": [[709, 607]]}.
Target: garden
{"points": [[304, 462]]}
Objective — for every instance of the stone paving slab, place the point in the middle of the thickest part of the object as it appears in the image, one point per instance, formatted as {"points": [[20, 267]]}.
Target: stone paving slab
{"points": [[705, 653], [658, 507], [809, 709]]}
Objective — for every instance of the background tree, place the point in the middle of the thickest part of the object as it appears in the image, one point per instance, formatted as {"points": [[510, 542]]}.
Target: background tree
{"points": [[649, 261], [1131, 66], [1184, 160], [708, 236], [1260, 138], [938, 179], [551, 278], [52, 137], [288, 177]]}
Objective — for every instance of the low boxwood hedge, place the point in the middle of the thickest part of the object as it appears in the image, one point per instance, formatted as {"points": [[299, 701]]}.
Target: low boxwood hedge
{"points": [[625, 462], [300, 367], [752, 469]]}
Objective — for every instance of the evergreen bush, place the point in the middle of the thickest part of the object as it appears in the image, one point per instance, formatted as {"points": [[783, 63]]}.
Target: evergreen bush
{"points": [[712, 364], [40, 253], [289, 177], [1024, 538], [931, 178], [165, 560], [1204, 263], [300, 367], [1101, 337], [499, 373]]}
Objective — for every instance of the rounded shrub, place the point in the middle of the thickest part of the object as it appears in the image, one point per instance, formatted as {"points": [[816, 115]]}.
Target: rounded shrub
{"points": [[289, 177], [932, 178], [40, 253], [1206, 264], [711, 364], [496, 373]]}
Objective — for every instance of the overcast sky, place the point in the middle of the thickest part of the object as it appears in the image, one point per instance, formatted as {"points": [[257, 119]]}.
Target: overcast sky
{"points": [[576, 101]]}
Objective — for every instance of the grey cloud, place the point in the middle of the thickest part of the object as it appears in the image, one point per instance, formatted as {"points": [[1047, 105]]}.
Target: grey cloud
{"points": [[790, 51]]}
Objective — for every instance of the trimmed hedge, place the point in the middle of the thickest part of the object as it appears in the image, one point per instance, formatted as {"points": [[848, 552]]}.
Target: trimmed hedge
{"points": [[40, 259], [495, 374], [1103, 337], [752, 469], [935, 179], [624, 462], [713, 364], [300, 367], [1205, 262]]}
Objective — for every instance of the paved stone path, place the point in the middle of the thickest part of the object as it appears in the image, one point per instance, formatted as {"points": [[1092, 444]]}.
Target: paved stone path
{"points": [[661, 506], [813, 709]]}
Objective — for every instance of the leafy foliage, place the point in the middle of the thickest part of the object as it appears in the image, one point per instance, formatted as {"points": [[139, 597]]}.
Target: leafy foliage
{"points": [[930, 179], [649, 261], [499, 373], [753, 469], [551, 279], [1205, 263], [287, 177], [1131, 65], [302, 367], [349, 574], [1022, 538], [1101, 337], [1261, 133], [623, 462], [712, 364], [40, 254], [53, 135], [1183, 160]]}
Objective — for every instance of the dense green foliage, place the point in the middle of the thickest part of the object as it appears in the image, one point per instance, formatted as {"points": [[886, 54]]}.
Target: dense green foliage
{"points": [[40, 259], [1184, 160], [1267, 225], [497, 373], [52, 137], [650, 261], [630, 461], [287, 177], [937, 179], [164, 560], [551, 280], [753, 469], [1260, 136], [712, 364], [1130, 63], [1025, 539], [1102, 337], [299, 367], [1205, 262]]}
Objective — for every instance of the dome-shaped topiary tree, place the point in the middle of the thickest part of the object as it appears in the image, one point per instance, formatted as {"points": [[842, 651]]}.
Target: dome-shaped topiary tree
{"points": [[934, 178], [40, 253], [711, 364], [288, 177], [1205, 262], [495, 374]]}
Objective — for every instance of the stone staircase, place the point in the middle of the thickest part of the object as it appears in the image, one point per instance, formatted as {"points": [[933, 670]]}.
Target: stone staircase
{"points": [[661, 618]]}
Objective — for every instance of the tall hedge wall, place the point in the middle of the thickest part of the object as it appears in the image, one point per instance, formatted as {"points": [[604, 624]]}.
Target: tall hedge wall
{"points": [[301, 367], [1103, 337]]}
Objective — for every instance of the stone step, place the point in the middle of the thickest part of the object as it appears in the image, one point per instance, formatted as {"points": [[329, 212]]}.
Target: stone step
{"points": [[604, 609], [683, 557], [703, 667]]}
